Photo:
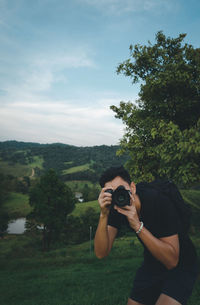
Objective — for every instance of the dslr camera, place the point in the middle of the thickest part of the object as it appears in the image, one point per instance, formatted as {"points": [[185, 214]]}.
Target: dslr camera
{"points": [[120, 196]]}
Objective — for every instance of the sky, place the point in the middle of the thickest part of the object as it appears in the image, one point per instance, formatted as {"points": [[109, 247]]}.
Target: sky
{"points": [[58, 61]]}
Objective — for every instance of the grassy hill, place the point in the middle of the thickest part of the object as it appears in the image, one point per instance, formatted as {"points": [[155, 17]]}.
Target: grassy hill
{"points": [[71, 275], [17, 205], [82, 207], [68, 276], [16, 169], [76, 169]]}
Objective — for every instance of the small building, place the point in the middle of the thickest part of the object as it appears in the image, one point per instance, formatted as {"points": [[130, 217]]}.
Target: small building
{"points": [[79, 196]]}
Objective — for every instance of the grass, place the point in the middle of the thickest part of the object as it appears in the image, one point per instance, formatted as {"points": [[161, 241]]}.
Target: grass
{"points": [[76, 169], [38, 162], [17, 205], [17, 170], [81, 207], [70, 275], [78, 184], [68, 162]]}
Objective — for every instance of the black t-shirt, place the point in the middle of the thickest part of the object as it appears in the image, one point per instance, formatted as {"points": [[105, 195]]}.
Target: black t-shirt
{"points": [[159, 217]]}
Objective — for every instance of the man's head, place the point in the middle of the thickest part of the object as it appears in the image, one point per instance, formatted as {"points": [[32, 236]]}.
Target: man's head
{"points": [[117, 181], [113, 172]]}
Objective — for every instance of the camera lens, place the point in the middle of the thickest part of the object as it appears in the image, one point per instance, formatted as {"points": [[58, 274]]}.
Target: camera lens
{"points": [[121, 197]]}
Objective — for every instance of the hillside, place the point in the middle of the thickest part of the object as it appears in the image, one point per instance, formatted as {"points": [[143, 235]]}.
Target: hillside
{"points": [[70, 275], [78, 167], [21, 159]]}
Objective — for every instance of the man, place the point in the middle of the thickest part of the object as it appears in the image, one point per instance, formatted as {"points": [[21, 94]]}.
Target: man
{"points": [[169, 270]]}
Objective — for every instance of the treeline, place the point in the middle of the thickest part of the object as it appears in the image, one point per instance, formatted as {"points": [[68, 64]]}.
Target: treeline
{"points": [[61, 157]]}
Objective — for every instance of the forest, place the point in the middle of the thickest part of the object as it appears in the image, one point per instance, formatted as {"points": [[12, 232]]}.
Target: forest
{"points": [[61, 157]]}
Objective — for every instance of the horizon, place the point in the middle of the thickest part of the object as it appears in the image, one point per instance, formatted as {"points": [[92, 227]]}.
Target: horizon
{"points": [[56, 143]]}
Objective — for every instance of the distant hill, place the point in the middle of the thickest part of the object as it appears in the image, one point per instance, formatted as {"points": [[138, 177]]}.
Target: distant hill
{"points": [[21, 159]]}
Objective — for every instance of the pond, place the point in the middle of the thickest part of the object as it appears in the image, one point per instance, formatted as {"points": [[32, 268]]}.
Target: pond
{"points": [[16, 226]]}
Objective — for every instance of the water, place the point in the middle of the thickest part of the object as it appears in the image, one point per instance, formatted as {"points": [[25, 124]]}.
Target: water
{"points": [[16, 226]]}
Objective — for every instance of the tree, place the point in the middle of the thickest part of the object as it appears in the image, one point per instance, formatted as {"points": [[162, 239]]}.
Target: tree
{"points": [[85, 192], [52, 201], [169, 72], [178, 150], [4, 219], [90, 193], [77, 228]]}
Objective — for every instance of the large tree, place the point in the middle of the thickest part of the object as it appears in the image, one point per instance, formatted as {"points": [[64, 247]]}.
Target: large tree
{"points": [[52, 201], [169, 101]]}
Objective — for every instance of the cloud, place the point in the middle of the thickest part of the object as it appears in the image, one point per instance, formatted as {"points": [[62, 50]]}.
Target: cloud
{"points": [[38, 71], [125, 6], [28, 114], [62, 121]]}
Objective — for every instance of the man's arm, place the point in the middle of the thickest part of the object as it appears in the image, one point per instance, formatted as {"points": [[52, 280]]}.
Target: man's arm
{"points": [[104, 238], [105, 235], [165, 249]]}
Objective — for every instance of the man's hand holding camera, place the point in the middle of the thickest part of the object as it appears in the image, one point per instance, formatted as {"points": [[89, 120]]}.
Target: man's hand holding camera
{"points": [[105, 200], [131, 213], [123, 201]]}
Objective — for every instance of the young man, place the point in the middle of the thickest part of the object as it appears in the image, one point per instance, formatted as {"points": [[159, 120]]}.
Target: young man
{"points": [[169, 270]]}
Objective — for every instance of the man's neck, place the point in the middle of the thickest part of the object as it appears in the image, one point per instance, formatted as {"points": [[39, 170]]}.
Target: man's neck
{"points": [[137, 204]]}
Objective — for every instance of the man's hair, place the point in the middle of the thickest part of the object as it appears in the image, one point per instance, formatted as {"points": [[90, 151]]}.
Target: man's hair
{"points": [[112, 173]]}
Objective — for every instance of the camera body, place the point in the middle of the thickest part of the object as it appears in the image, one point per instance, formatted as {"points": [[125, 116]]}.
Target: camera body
{"points": [[120, 196]]}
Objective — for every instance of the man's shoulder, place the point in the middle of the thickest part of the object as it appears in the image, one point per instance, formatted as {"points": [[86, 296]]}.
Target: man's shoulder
{"points": [[146, 192]]}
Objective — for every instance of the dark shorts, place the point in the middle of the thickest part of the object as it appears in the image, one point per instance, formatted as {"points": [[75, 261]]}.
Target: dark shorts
{"points": [[176, 283]]}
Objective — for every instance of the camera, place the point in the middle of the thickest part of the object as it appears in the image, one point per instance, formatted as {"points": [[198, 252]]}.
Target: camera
{"points": [[120, 196]]}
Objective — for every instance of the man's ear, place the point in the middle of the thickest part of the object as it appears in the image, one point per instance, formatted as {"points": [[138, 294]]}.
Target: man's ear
{"points": [[133, 188]]}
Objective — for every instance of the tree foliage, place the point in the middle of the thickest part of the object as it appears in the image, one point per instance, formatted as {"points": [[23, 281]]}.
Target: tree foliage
{"points": [[52, 201], [178, 151], [167, 111], [4, 190], [77, 228]]}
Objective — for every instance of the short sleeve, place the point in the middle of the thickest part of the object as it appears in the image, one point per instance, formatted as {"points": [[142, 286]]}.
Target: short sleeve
{"points": [[167, 217], [116, 219]]}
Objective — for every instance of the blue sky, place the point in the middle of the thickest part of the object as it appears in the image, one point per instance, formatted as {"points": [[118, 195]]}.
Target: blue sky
{"points": [[58, 63]]}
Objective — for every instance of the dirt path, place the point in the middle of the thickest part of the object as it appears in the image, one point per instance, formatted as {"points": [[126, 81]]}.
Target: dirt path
{"points": [[33, 173]]}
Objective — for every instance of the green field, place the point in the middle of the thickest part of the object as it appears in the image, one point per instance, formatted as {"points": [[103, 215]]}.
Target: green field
{"points": [[76, 169], [17, 170], [38, 162], [71, 275], [68, 162], [81, 207], [20, 170], [78, 184], [17, 205]]}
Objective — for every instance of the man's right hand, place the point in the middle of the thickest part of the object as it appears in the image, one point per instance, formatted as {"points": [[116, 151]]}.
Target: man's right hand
{"points": [[105, 200]]}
